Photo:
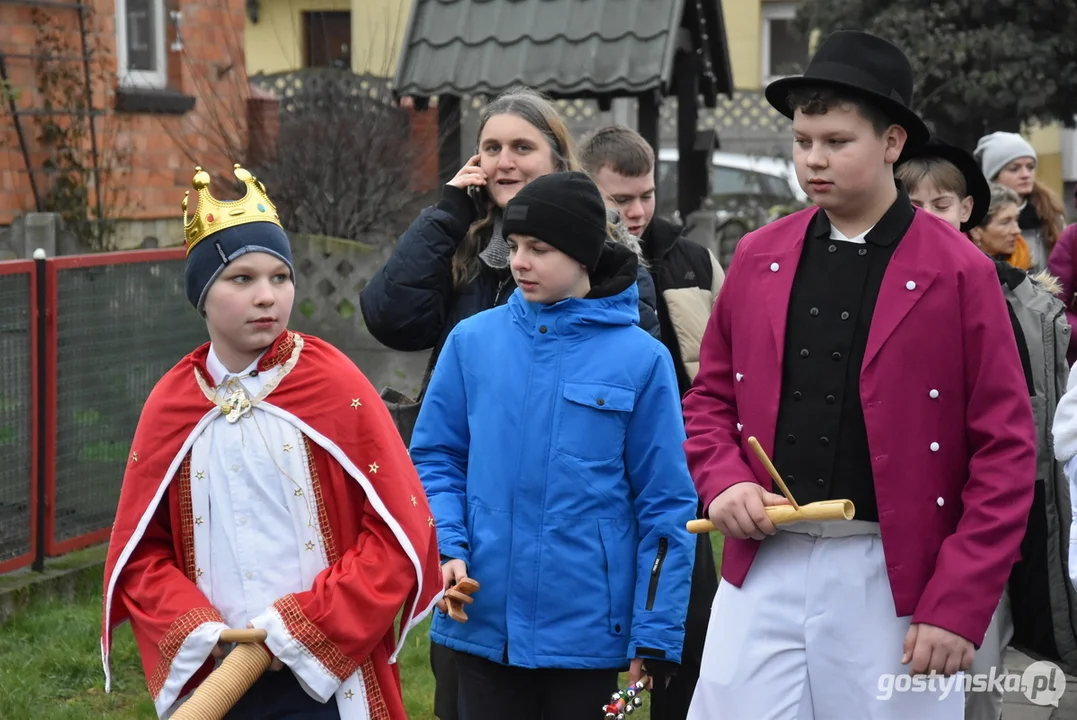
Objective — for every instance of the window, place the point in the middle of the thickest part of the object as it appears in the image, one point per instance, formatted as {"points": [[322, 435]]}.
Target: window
{"points": [[140, 43], [785, 48], [328, 38]]}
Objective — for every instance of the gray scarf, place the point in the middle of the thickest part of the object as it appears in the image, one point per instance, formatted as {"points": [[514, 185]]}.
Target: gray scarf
{"points": [[496, 253]]}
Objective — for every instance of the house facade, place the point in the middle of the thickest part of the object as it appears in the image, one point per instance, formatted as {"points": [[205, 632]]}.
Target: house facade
{"points": [[118, 116]]}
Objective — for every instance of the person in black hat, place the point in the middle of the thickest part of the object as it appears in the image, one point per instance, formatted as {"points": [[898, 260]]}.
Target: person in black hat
{"points": [[550, 446], [947, 182], [866, 348]]}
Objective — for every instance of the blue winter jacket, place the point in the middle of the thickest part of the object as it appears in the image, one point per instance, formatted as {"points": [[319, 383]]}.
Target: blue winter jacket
{"points": [[550, 447]]}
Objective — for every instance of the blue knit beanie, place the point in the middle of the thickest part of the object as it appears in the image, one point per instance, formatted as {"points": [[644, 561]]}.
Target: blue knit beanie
{"points": [[209, 258], [217, 233]]}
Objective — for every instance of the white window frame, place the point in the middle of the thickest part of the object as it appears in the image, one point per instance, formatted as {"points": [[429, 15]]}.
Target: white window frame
{"points": [[772, 11], [157, 79]]}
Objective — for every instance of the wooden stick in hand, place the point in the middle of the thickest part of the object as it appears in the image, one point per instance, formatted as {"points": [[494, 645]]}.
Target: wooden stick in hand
{"points": [[759, 453], [822, 511]]}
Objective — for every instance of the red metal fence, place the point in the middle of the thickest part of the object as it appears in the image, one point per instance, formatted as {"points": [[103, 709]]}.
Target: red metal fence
{"points": [[83, 340]]}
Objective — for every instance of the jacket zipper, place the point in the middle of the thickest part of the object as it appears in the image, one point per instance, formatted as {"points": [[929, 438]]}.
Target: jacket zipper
{"points": [[656, 570], [500, 287]]}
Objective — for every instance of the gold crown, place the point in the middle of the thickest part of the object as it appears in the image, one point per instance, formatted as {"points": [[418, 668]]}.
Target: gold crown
{"points": [[213, 215]]}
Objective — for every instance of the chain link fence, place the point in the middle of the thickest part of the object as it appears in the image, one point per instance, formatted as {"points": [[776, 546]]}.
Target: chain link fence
{"points": [[17, 436]]}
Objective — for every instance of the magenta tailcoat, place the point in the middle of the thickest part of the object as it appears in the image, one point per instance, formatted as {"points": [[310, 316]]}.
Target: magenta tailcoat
{"points": [[948, 416]]}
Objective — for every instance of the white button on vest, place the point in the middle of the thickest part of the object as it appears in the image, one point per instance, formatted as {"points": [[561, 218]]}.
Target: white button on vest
{"points": [[774, 267], [739, 427], [934, 447], [941, 502], [934, 394], [739, 377], [910, 285]]}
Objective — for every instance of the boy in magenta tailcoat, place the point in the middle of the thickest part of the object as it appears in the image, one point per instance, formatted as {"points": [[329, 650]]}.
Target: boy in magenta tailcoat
{"points": [[868, 348]]}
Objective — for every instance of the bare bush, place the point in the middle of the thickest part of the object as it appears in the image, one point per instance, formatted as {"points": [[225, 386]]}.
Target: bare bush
{"points": [[344, 162]]}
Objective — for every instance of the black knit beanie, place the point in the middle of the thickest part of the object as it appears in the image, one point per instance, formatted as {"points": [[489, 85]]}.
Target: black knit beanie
{"points": [[563, 209]]}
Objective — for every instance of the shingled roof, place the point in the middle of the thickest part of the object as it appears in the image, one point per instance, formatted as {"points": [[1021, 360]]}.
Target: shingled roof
{"points": [[566, 48]]}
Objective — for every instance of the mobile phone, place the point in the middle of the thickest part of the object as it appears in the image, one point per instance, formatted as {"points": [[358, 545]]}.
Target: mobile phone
{"points": [[480, 197]]}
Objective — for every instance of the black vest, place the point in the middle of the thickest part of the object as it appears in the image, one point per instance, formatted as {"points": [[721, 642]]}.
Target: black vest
{"points": [[821, 444]]}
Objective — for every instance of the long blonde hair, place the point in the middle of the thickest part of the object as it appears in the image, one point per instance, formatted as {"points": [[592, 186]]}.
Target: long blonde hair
{"points": [[540, 112], [1048, 206]]}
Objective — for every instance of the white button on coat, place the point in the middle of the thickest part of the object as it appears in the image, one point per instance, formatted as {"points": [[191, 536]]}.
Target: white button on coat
{"points": [[934, 393], [934, 447], [739, 377], [941, 502], [739, 427], [910, 285], [774, 267]]}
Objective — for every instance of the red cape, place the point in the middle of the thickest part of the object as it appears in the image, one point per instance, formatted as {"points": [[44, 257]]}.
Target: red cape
{"points": [[367, 477]]}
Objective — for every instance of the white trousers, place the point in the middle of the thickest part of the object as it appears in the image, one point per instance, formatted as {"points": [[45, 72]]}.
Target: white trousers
{"points": [[987, 704], [812, 634]]}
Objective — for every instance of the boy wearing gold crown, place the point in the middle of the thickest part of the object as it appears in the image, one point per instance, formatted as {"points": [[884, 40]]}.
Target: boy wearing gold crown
{"points": [[267, 487]]}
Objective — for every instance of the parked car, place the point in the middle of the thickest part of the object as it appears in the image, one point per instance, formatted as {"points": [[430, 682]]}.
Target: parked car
{"points": [[747, 191]]}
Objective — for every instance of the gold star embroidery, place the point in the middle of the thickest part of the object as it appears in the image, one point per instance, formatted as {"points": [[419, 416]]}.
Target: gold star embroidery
{"points": [[414, 500], [199, 573], [200, 475], [310, 545], [198, 520], [298, 492], [430, 521], [374, 468], [349, 695], [134, 457], [287, 447], [356, 403]]}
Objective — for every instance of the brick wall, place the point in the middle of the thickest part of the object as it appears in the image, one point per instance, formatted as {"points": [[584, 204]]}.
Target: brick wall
{"points": [[151, 145], [424, 136]]}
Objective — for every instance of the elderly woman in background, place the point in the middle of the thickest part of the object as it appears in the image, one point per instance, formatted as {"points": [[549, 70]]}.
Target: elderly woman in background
{"points": [[998, 234]]}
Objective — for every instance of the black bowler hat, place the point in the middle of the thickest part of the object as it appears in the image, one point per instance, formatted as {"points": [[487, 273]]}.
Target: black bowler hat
{"points": [[866, 65], [976, 184]]}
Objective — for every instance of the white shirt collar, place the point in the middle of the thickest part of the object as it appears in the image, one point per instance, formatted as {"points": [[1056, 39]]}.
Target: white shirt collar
{"points": [[836, 234], [220, 373]]}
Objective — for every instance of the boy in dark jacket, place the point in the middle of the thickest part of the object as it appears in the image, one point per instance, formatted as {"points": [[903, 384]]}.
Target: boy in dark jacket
{"points": [[687, 279]]}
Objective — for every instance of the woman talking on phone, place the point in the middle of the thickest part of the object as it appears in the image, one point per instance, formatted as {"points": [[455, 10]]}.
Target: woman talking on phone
{"points": [[452, 262]]}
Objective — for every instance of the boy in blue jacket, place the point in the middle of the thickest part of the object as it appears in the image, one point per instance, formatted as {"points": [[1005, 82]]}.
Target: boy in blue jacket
{"points": [[550, 447]]}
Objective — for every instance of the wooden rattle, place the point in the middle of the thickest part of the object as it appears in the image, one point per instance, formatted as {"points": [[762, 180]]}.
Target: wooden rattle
{"points": [[458, 595], [624, 702], [822, 511]]}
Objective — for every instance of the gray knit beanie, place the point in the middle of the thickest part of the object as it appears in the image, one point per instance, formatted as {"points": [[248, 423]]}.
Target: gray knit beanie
{"points": [[999, 149]]}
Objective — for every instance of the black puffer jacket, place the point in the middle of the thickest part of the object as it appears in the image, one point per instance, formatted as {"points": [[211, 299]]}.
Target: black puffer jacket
{"points": [[410, 303]]}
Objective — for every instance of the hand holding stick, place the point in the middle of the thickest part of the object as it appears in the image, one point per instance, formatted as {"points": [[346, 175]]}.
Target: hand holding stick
{"points": [[822, 511], [219, 692]]}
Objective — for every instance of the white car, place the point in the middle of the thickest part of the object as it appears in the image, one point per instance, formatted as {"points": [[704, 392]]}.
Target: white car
{"points": [[743, 190], [736, 174]]}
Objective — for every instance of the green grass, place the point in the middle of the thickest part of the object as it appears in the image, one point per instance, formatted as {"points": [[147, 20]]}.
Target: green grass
{"points": [[50, 666]]}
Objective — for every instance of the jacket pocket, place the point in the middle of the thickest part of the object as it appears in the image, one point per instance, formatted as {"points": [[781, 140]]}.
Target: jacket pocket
{"points": [[594, 420], [620, 574]]}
